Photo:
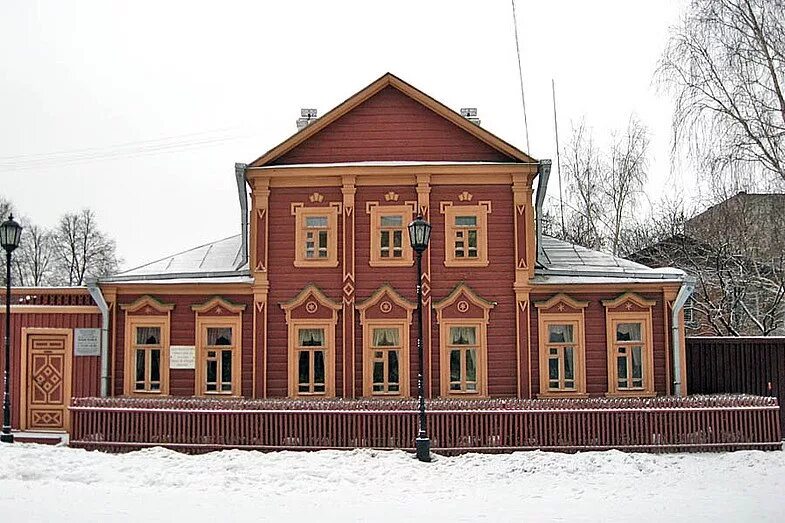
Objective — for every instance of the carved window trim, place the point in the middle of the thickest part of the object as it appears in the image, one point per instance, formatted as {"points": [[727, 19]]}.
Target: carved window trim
{"points": [[547, 316], [481, 363], [131, 324], [644, 317], [301, 214], [234, 322], [451, 230], [376, 213]]}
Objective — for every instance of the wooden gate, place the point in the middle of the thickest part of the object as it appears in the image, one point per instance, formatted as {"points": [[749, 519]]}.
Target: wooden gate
{"points": [[46, 371]]}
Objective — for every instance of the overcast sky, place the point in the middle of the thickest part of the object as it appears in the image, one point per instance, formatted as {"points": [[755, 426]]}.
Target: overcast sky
{"points": [[139, 110]]}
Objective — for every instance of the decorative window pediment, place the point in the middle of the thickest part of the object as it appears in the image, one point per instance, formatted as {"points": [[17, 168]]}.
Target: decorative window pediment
{"points": [[561, 303], [629, 302], [463, 303], [217, 306], [311, 303], [386, 303], [147, 305]]}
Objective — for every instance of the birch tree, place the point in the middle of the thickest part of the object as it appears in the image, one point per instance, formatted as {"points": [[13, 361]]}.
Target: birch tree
{"points": [[725, 67]]}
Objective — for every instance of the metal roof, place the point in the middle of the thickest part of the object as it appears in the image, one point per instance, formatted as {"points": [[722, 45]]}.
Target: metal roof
{"points": [[562, 263], [565, 263], [218, 260]]}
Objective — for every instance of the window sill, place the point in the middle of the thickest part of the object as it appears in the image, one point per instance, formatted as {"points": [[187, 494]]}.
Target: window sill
{"points": [[315, 263], [466, 263], [391, 263]]}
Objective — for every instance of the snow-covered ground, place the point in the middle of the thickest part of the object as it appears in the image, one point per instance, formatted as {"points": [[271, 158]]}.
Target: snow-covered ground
{"points": [[40, 483]]}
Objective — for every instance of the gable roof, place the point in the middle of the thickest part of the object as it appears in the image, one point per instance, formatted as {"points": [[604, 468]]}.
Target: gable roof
{"points": [[389, 80]]}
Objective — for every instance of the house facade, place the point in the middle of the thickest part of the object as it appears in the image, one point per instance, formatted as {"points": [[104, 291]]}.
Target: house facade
{"points": [[316, 297]]}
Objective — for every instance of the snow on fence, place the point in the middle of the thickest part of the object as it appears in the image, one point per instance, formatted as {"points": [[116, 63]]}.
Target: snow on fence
{"points": [[194, 425]]}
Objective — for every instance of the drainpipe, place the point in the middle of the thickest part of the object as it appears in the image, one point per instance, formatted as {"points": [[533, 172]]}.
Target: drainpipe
{"points": [[543, 172], [98, 298], [239, 174], [681, 298]]}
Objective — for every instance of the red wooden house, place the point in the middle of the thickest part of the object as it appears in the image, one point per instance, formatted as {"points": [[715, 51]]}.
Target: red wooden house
{"points": [[315, 297]]}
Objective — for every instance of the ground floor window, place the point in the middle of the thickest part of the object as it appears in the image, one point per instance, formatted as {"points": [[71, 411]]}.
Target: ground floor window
{"points": [[311, 356], [148, 345], [218, 355], [463, 353], [630, 346], [386, 369], [629, 355]]}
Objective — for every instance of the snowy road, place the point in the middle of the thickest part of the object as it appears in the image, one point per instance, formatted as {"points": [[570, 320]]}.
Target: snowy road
{"points": [[39, 483]]}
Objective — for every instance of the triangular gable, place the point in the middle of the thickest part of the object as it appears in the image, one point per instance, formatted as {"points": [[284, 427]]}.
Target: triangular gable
{"points": [[390, 120]]}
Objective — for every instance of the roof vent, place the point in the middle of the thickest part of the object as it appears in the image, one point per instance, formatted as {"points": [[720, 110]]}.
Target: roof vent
{"points": [[306, 117], [470, 113]]}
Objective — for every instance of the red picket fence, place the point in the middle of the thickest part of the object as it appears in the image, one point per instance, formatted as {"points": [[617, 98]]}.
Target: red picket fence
{"points": [[704, 423]]}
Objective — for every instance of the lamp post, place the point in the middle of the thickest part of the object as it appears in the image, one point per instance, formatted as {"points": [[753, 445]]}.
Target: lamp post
{"points": [[10, 234], [419, 236]]}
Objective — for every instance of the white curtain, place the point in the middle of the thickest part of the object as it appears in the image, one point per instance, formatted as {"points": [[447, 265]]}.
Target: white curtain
{"points": [[219, 336], [560, 334], [148, 335], [311, 337], [386, 338], [628, 331], [463, 336]]}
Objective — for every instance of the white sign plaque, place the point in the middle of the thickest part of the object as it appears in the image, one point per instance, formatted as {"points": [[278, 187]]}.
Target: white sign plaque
{"points": [[87, 342], [182, 357]]}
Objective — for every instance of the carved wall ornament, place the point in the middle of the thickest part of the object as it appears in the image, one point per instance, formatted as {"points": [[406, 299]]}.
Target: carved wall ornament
{"points": [[385, 307], [463, 306], [391, 196], [465, 196], [316, 198], [311, 307]]}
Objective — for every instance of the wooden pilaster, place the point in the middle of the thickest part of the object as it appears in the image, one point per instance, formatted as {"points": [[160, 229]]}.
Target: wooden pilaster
{"points": [[424, 208], [525, 259], [348, 190], [258, 262]]}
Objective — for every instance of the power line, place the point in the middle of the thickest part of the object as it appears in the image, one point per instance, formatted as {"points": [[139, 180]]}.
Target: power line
{"points": [[558, 157], [520, 75]]}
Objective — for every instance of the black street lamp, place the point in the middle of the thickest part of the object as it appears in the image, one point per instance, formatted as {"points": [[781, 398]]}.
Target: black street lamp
{"points": [[420, 235], [10, 234]]}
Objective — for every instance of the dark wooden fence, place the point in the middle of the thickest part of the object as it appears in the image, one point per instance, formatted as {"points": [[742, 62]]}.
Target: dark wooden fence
{"points": [[711, 423], [737, 365]]}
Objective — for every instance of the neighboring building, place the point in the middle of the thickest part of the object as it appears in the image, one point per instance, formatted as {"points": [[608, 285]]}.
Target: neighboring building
{"points": [[736, 252], [753, 223], [315, 297]]}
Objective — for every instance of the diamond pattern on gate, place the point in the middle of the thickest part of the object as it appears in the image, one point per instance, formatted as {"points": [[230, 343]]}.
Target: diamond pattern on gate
{"points": [[49, 380]]}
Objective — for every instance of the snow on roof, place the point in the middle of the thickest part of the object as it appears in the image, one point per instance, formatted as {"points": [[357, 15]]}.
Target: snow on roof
{"points": [[565, 262], [217, 259]]}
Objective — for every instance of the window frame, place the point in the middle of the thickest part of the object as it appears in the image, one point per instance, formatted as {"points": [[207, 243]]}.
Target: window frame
{"points": [[576, 319], [376, 213], [202, 324], [480, 211], [644, 318], [403, 358], [329, 361], [482, 355], [131, 323], [301, 216]]}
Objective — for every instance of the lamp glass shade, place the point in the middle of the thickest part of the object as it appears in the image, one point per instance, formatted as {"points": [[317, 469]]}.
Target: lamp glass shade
{"points": [[419, 234], [10, 234]]}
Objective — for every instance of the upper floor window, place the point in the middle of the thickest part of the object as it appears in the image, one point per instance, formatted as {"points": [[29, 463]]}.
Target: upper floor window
{"points": [[390, 244], [466, 235], [316, 237]]}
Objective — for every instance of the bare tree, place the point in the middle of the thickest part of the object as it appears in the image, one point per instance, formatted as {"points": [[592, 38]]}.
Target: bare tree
{"points": [[33, 260], [725, 65], [82, 250], [625, 177], [584, 174]]}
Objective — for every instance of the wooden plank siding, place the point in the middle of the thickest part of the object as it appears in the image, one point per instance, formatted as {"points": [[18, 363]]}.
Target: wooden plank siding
{"points": [[85, 370], [368, 279], [390, 126], [596, 341], [183, 332], [493, 283], [286, 281]]}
